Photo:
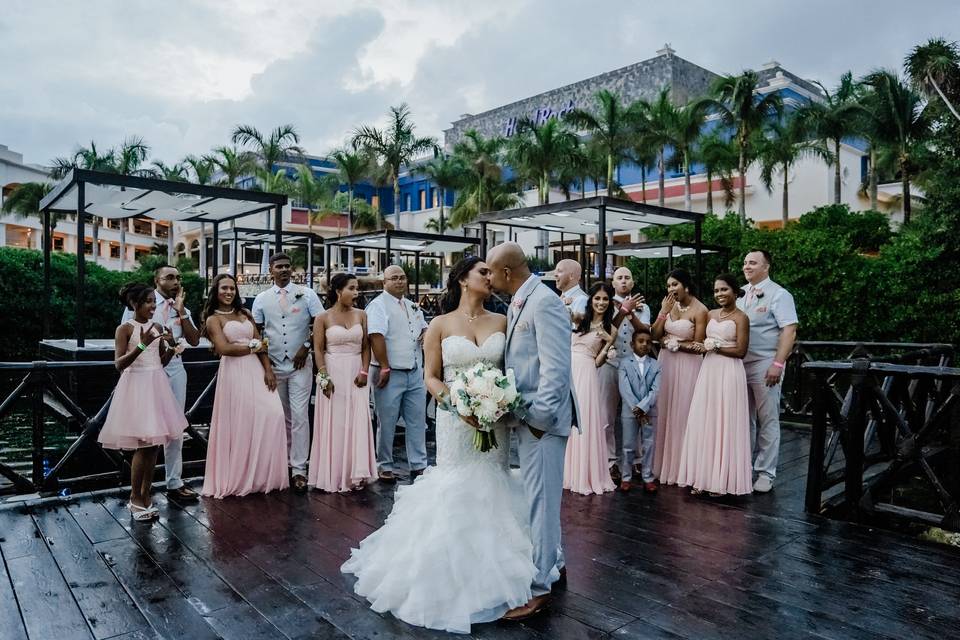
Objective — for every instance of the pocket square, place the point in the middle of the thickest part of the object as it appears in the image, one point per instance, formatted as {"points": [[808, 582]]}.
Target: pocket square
{"points": [[522, 326]]}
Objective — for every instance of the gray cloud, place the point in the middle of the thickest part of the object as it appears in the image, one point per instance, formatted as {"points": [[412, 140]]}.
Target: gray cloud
{"points": [[183, 76]]}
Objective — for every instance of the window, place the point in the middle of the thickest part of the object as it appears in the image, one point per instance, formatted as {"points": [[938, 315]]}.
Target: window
{"points": [[375, 202], [58, 243], [88, 247], [162, 230], [143, 227], [114, 250], [423, 199]]}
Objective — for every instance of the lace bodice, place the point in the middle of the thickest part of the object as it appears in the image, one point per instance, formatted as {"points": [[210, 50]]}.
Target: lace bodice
{"points": [[454, 437]]}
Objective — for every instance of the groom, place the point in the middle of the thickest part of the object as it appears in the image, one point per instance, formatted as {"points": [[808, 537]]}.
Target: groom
{"points": [[538, 351]]}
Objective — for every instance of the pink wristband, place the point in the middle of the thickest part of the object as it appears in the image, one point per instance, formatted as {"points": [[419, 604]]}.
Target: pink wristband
{"points": [[386, 370], [662, 316], [362, 372], [779, 365]]}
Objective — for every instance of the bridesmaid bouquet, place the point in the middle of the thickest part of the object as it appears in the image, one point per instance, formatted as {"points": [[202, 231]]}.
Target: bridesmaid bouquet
{"points": [[711, 344], [486, 393], [672, 344]]}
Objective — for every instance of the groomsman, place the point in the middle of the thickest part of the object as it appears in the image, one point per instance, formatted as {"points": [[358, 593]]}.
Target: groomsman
{"points": [[284, 313], [638, 319], [568, 273], [773, 330], [174, 316], [395, 326], [639, 385]]}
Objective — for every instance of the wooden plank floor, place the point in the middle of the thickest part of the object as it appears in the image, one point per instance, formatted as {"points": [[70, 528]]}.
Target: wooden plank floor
{"points": [[664, 566]]}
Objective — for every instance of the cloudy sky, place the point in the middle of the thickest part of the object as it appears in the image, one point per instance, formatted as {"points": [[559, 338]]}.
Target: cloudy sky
{"points": [[182, 73]]}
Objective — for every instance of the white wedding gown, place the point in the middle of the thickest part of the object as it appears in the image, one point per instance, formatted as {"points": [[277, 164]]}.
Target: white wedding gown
{"points": [[456, 547]]}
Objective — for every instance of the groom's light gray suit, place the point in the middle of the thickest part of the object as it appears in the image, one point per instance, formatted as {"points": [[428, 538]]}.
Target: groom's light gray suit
{"points": [[538, 351]]}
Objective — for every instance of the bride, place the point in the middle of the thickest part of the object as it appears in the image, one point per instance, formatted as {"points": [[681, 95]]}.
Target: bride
{"points": [[456, 547]]}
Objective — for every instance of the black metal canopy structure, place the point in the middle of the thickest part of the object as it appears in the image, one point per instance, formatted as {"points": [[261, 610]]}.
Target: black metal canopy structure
{"points": [[115, 196], [596, 216], [240, 237], [397, 241]]}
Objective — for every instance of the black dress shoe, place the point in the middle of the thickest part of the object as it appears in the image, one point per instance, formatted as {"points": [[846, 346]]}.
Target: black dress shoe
{"points": [[299, 483], [615, 474], [414, 474], [183, 494]]}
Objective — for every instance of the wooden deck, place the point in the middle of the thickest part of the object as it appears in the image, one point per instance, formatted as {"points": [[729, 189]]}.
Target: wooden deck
{"points": [[666, 566]]}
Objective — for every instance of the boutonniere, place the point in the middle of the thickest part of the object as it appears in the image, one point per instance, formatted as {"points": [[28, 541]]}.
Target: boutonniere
{"points": [[298, 295], [415, 306], [518, 303], [758, 293]]}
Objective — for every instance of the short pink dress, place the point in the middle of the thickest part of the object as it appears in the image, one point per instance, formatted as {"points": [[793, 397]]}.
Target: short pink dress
{"points": [[247, 447], [585, 467], [716, 446], [144, 411], [343, 451], [678, 376]]}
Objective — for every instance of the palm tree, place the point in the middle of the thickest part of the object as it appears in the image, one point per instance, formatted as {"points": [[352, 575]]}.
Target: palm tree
{"points": [[687, 127], [833, 119], [233, 163], [92, 159], [719, 158], [537, 153], [447, 172], [316, 194], [129, 159], [739, 108], [934, 68], [24, 200], [176, 172], [483, 189], [352, 167], [202, 167], [282, 144], [902, 123], [611, 126], [656, 128], [644, 155], [779, 147], [396, 146]]}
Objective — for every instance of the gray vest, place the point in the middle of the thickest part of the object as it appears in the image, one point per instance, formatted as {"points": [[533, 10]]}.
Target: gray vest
{"points": [[403, 332], [285, 330]]}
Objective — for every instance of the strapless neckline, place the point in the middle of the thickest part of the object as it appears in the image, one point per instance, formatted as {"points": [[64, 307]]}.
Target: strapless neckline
{"points": [[469, 341]]}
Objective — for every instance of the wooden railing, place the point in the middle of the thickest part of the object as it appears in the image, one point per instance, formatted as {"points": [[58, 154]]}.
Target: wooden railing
{"points": [[39, 385], [885, 438]]}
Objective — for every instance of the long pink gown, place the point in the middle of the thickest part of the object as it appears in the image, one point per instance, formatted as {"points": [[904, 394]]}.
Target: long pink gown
{"points": [[678, 376], [716, 447], [247, 447], [144, 411], [342, 455], [585, 468]]}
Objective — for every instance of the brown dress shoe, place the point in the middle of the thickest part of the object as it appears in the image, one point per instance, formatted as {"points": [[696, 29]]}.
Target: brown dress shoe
{"points": [[625, 486], [651, 487], [183, 494], [299, 483], [532, 608], [387, 477]]}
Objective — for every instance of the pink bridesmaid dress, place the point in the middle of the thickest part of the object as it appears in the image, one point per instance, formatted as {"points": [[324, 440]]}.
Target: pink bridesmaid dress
{"points": [[143, 412], [585, 467], [342, 455], [247, 447], [678, 376], [716, 447]]}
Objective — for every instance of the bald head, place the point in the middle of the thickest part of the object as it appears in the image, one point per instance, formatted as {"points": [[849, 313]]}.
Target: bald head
{"points": [[508, 266], [567, 273], [395, 281], [623, 281]]}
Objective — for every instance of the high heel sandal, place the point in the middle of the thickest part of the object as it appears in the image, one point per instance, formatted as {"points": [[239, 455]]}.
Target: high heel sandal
{"points": [[141, 514]]}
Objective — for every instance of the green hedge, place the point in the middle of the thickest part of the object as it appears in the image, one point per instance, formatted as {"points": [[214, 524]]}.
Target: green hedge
{"points": [[852, 278], [21, 299]]}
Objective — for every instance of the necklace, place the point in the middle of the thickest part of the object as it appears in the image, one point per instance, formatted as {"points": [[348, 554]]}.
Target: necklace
{"points": [[224, 313], [683, 309], [720, 315], [470, 318]]}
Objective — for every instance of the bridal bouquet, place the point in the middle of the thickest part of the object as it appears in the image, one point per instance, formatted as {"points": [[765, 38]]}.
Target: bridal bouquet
{"points": [[486, 393]]}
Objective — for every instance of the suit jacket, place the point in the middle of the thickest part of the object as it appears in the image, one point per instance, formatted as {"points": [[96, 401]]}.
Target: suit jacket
{"points": [[636, 390], [538, 351]]}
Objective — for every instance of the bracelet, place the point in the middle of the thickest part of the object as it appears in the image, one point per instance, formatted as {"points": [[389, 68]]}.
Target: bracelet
{"points": [[142, 347], [385, 370], [363, 373], [662, 316], [779, 365]]}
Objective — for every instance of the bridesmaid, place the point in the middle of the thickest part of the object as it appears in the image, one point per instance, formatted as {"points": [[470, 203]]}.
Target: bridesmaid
{"points": [[143, 413], [585, 468], [342, 456], [716, 447], [681, 328], [247, 447]]}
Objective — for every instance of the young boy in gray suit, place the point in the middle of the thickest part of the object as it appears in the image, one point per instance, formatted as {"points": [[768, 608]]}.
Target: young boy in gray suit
{"points": [[639, 384]]}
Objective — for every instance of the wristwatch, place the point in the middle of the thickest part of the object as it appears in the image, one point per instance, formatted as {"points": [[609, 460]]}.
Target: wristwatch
{"points": [[307, 344]]}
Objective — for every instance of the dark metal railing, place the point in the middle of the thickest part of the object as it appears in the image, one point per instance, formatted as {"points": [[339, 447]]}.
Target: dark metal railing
{"points": [[38, 381], [881, 426]]}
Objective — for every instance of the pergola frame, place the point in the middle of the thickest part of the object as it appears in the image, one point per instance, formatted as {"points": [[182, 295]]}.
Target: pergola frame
{"points": [[595, 211], [241, 237], [388, 240], [245, 203]]}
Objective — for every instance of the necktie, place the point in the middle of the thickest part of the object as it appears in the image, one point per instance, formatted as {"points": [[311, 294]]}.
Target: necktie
{"points": [[284, 303]]}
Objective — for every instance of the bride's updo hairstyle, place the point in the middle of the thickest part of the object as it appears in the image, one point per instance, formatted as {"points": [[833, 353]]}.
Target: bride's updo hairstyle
{"points": [[451, 296]]}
